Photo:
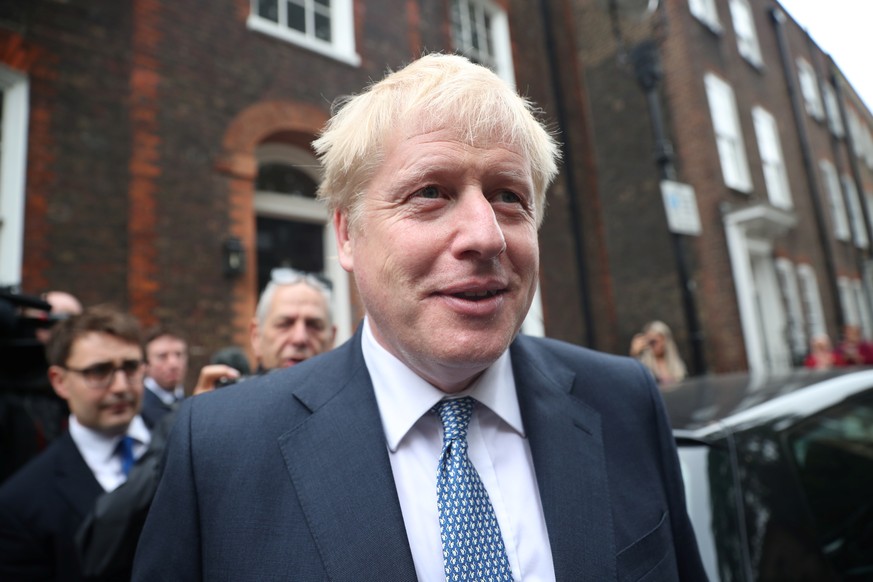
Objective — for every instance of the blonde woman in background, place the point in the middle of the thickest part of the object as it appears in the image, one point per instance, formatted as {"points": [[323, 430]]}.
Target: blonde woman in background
{"points": [[655, 348]]}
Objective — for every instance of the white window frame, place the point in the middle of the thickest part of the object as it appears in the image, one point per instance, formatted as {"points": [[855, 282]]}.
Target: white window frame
{"points": [[706, 12], [342, 25], [13, 170], [847, 301], [787, 274], [811, 300], [864, 315], [856, 213], [744, 29], [489, 21], [308, 210], [839, 217], [809, 89], [728, 134], [772, 161], [832, 108]]}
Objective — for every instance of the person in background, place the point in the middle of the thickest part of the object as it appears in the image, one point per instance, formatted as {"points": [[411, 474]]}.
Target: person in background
{"points": [[166, 365], [63, 305], [292, 323], [854, 350], [655, 348], [438, 443], [96, 365], [822, 355]]}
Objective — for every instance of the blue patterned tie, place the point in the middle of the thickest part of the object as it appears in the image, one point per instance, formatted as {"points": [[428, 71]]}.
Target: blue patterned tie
{"points": [[472, 544], [125, 451]]}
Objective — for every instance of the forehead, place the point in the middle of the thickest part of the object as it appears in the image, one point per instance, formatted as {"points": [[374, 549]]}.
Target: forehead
{"points": [[99, 346], [297, 298], [164, 343]]}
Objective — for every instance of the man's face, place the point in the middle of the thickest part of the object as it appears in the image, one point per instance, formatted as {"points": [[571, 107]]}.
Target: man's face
{"points": [[167, 358], [296, 328], [106, 409], [445, 254]]}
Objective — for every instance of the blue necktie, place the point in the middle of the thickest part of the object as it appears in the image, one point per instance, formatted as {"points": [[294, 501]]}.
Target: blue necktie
{"points": [[125, 451], [472, 544]]}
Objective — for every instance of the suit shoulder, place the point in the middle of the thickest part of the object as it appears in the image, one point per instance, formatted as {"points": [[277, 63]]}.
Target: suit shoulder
{"points": [[37, 474]]}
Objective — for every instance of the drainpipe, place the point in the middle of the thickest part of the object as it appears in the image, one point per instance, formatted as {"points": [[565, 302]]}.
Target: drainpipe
{"points": [[778, 17], [570, 175]]}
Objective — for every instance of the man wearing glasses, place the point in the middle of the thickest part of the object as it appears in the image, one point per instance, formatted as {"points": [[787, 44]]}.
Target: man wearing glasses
{"points": [[96, 366]]}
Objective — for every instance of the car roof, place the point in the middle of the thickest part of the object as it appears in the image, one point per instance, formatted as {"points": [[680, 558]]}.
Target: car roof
{"points": [[706, 404]]}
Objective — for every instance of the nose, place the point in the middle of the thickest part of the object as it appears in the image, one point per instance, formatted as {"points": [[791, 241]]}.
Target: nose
{"points": [[478, 231], [119, 381], [299, 333]]}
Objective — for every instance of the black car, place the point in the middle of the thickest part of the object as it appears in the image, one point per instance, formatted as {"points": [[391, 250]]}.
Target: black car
{"points": [[779, 473]]}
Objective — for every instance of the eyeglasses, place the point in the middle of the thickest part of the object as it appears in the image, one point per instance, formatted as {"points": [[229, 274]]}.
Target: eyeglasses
{"points": [[100, 376]]}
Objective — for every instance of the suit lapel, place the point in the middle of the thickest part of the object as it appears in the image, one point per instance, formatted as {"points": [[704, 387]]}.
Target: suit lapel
{"points": [[338, 462], [75, 481], [567, 448]]}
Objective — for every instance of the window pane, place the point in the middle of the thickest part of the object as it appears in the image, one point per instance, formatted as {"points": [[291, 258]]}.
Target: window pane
{"points": [[325, 3], [296, 17], [834, 457], [284, 179], [268, 9], [288, 243], [322, 27], [474, 32]]}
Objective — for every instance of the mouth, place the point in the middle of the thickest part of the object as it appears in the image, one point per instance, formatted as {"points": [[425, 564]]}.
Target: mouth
{"points": [[478, 295]]}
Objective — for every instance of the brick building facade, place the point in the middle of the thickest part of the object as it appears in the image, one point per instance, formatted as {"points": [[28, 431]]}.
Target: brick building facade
{"points": [[142, 140]]}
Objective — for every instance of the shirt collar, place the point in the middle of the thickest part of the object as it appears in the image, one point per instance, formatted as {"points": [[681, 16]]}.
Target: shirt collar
{"points": [[404, 397], [168, 397], [100, 447]]}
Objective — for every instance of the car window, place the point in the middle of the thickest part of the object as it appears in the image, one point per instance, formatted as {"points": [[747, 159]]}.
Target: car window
{"points": [[833, 453]]}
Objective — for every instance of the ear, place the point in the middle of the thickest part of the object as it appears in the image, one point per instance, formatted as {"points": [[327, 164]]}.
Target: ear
{"points": [[253, 338], [344, 243], [56, 376], [332, 337]]}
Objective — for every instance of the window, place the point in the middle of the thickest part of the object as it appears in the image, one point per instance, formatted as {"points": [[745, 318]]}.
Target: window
{"points": [[848, 302], [13, 161], [293, 228], [833, 455], [791, 293], [856, 213], [835, 121], [835, 198], [728, 135], [744, 29], [322, 26], [855, 132], [811, 301], [480, 31], [770, 148], [866, 321], [705, 11], [809, 89]]}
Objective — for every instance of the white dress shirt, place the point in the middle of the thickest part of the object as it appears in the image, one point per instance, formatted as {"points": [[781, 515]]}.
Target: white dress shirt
{"points": [[497, 448], [168, 397], [99, 450]]}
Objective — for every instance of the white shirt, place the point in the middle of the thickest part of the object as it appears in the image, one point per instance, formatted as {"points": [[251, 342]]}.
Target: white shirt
{"points": [[99, 450], [497, 448], [168, 397]]}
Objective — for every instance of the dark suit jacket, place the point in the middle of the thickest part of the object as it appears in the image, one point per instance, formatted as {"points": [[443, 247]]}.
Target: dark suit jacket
{"points": [[41, 506], [153, 408], [288, 478]]}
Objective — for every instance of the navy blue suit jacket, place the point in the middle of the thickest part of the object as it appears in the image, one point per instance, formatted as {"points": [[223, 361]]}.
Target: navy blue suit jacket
{"points": [[288, 477], [41, 507]]}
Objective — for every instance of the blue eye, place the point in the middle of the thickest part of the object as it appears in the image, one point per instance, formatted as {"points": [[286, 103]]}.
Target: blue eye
{"points": [[509, 197], [430, 192]]}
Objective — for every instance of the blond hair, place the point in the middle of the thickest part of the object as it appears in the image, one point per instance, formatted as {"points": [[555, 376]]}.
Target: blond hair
{"points": [[434, 92]]}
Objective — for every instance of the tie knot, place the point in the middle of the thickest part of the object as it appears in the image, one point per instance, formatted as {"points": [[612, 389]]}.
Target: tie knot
{"points": [[455, 415]]}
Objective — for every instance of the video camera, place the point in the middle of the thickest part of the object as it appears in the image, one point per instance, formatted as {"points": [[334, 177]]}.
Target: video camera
{"points": [[22, 355]]}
